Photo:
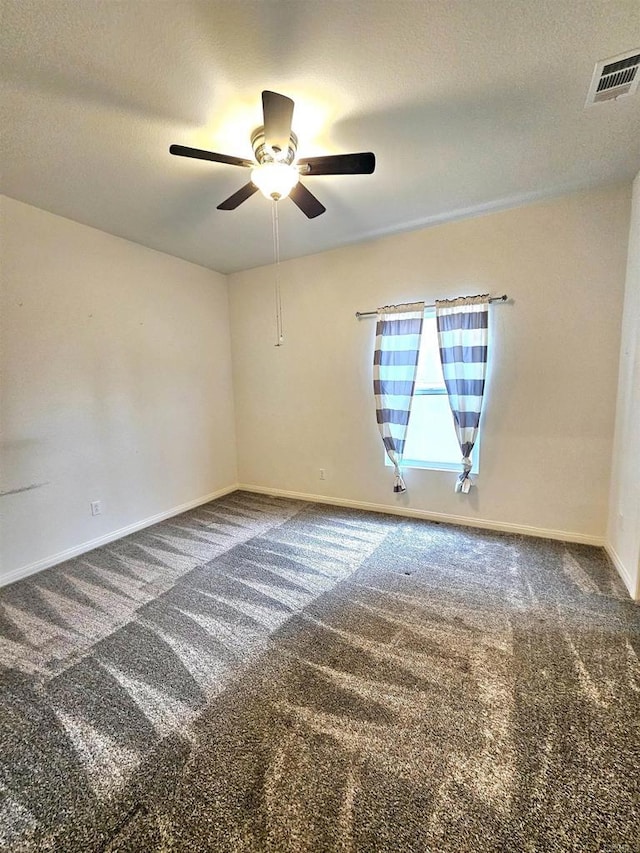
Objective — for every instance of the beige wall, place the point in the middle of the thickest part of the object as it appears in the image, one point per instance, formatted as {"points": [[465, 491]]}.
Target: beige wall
{"points": [[116, 385], [623, 533], [548, 424], [116, 376]]}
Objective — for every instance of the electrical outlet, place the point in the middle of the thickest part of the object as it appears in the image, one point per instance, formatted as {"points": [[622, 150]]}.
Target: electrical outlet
{"points": [[322, 477], [96, 507]]}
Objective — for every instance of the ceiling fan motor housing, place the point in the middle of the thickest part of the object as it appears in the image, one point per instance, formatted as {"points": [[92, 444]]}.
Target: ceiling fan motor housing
{"points": [[266, 154]]}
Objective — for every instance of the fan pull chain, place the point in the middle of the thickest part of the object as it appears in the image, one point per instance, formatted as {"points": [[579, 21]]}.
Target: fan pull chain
{"points": [[276, 253]]}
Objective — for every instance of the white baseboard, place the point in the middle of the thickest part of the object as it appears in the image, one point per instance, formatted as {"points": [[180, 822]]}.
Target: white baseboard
{"points": [[506, 527], [634, 589], [485, 524], [76, 550]]}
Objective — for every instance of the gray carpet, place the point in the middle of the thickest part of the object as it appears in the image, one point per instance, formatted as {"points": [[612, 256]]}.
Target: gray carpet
{"points": [[268, 675]]}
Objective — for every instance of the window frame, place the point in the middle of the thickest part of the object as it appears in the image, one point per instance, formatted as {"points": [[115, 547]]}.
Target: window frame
{"points": [[407, 462]]}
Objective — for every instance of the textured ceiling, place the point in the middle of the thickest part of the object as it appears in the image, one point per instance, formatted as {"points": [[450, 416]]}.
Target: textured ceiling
{"points": [[468, 106]]}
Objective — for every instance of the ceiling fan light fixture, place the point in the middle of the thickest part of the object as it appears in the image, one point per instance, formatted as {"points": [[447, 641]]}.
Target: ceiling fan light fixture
{"points": [[275, 180], [275, 172]]}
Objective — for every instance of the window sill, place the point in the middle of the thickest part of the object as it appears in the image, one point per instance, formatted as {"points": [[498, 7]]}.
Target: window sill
{"points": [[450, 467]]}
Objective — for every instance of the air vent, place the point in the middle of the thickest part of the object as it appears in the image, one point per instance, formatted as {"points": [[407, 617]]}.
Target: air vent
{"points": [[614, 78]]}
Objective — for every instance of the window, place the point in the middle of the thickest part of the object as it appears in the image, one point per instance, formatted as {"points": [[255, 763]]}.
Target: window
{"points": [[431, 437]]}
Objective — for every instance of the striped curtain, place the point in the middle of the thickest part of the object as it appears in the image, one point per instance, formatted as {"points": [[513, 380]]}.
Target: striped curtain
{"points": [[463, 339], [395, 362]]}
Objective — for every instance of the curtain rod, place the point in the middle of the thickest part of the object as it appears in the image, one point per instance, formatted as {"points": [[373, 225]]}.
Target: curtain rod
{"points": [[360, 314]]}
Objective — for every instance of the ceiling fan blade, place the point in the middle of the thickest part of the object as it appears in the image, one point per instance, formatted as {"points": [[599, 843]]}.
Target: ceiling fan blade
{"points": [[199, 154], [278, 114], [339, 164], [238, 197], [306, 201]]}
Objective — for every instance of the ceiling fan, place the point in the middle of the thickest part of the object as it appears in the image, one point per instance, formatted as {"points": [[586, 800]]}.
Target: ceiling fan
{"points": [[276, 171]]}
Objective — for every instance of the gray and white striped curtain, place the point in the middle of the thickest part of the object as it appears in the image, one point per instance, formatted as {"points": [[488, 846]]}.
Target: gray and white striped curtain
{"points": [[395, 362], [463, 340]]}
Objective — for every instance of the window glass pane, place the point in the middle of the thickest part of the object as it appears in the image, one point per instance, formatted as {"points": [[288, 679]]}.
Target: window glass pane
{"points": [[431, 436], [429, 376]]}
